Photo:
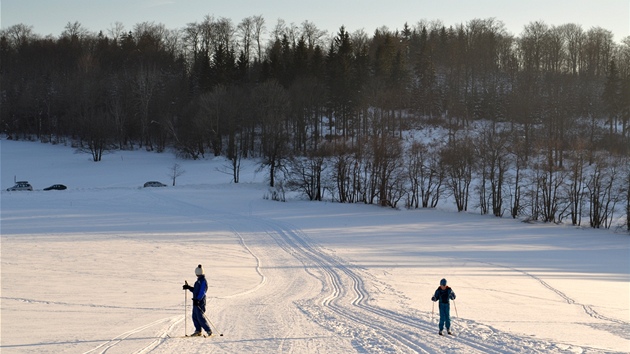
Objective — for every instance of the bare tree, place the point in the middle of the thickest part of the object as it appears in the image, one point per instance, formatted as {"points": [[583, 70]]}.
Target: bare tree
{"points": [[515, 184], [623, 58], [94, 122], [116, 31], [532, 45], [603, 184], [492, 166], [245, 30], [173, 43], [224, 32], [414, 157], [425, 176], [305, 174], [343, 179], [259, 28], [145, 84], [207, 33], [550, 180], [174, 172], [279, 30], [598, 50], [75, 30], [384, 154], [193, 38], [457, 160], [19, 34], [273, 106], [312, 34], [573, 39], [577, 162], [115, 102]]}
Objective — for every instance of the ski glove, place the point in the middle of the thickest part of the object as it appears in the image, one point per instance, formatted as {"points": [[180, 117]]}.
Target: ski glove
{"points": [[187, 287], [452, 296], [195, 302], [433, 299]]}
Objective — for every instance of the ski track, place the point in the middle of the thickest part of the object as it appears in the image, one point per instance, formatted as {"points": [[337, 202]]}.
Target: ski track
{"points": [[46, 302], [378, 329], [342, 307], [103, 348], [588, 309], [263, 278]]}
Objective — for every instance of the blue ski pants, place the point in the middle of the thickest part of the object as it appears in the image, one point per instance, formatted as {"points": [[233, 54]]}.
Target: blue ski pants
{"points": [[445, 316], [199, 320]]}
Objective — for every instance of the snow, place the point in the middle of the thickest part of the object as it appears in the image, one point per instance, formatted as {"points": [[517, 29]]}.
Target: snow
{"points": [[98, 268]]}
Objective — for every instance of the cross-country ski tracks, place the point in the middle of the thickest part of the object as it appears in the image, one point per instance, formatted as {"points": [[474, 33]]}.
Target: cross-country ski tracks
{"points": [[267, 307], [368, 334], [342, 306], [588, 309], [107, 345]]}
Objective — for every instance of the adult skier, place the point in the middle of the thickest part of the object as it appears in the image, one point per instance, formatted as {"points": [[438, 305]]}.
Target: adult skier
{"points": [[444, 294], [199, 302]]}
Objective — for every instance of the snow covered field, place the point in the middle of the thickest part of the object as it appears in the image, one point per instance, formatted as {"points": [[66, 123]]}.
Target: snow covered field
{"points": [[98, 268]]}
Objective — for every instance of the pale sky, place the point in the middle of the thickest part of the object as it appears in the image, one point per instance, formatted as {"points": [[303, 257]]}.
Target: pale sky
{"points": [[51, 16]]}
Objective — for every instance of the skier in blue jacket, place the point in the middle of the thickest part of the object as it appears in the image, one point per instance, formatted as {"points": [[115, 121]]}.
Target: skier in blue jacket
{"points": [[443, 294], [199, 302]]}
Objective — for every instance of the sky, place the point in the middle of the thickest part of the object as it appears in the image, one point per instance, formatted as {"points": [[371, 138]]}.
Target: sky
{"points": [[51, 16]]}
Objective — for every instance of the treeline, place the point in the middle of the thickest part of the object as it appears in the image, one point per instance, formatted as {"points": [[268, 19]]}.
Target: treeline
{"points": [[535, 125]]}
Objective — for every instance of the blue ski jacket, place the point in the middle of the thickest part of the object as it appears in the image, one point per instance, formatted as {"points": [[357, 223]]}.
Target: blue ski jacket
{"points": [[200, 288], [444, 295]]}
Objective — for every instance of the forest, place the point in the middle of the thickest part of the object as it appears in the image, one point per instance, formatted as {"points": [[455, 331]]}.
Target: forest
{"points": [[533, 126]]}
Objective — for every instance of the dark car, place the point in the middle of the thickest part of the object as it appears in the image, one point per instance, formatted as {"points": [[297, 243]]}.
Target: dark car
{"points": [[21, 186], [56, 187], [154, 184]]}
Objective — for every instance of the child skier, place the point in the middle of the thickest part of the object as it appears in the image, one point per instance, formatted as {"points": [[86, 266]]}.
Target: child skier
{"points": [[443, 294], [199, 302]]}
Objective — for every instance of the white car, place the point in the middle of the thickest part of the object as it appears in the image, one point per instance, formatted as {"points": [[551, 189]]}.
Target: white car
{"points": [[21, 186]]}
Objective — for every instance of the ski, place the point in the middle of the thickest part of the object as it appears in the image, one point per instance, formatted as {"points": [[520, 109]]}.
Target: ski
{"points": [[189, 336]]}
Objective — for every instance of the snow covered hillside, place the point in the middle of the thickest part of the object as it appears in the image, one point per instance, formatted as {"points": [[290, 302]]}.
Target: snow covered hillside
{"points": [[99, 268]]}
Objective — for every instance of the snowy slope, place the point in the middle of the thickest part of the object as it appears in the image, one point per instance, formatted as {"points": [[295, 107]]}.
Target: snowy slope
{"points": [[98, 268]]}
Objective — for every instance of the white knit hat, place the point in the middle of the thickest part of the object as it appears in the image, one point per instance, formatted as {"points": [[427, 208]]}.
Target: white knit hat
{"points": [[199, 270]]}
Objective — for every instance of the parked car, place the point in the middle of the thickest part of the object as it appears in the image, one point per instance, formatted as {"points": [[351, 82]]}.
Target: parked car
{"points": [[21, 186], [154, 184], [56, 187]]}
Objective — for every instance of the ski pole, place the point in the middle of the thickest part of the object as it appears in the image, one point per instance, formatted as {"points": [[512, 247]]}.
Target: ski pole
{"points": [[432, 310], [185, 317], [456, 314], [212, 324]]}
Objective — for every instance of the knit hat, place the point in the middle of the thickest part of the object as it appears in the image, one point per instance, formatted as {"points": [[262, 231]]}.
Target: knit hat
{"points": [[442, 282], [199, 270]]}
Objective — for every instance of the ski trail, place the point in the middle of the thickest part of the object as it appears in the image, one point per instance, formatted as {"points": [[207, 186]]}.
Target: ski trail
{"points": [[61, 303], [161, 338], [342, 306], [372, 328], [381, 330], [588, 309], [121, 337], [223, 218], [263, 278]]}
